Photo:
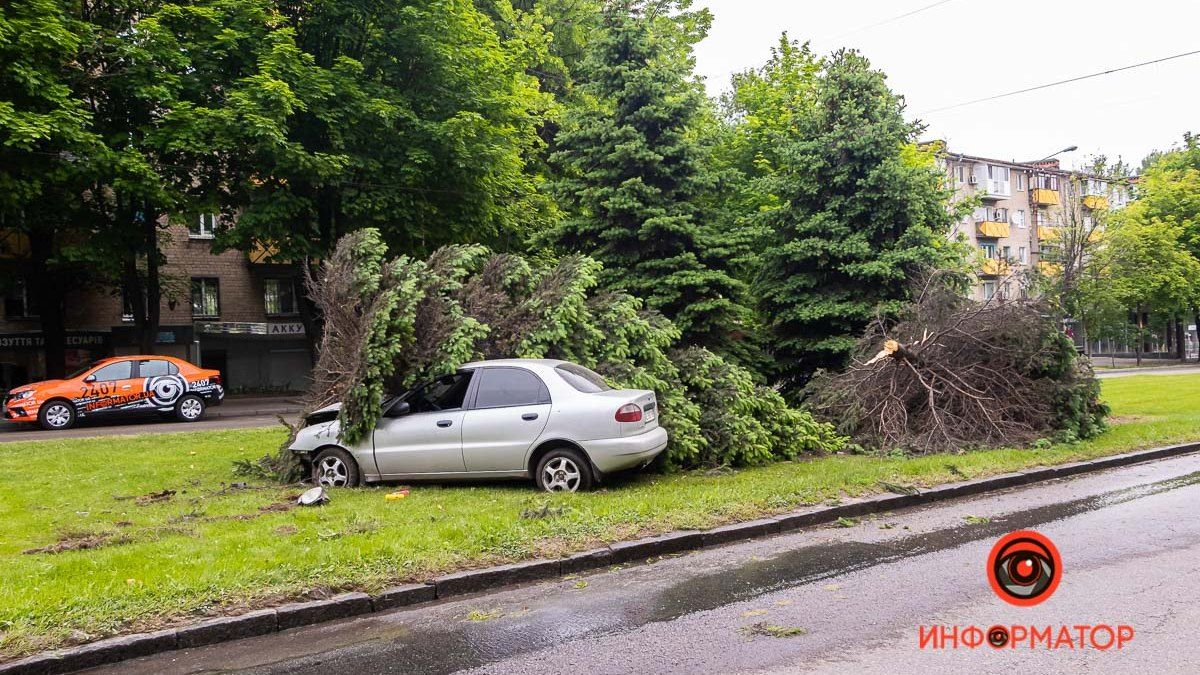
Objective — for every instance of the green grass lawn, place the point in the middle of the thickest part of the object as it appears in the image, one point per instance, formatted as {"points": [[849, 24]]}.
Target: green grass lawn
{"points": [[209, 548]]}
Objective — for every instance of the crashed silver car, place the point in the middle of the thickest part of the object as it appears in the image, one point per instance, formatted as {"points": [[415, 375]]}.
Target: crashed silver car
{"points": [[554, 421]]}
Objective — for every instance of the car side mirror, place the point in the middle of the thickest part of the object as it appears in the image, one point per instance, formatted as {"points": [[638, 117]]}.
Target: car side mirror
{"points": [[399, 410], [90, 378]]}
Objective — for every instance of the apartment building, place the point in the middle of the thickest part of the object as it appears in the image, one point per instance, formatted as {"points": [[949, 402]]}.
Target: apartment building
{"points": [[235, 312], [1019, 207]]}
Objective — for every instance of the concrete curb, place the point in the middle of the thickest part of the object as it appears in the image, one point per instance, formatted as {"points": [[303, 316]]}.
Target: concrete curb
{"points": [[294, 615]]}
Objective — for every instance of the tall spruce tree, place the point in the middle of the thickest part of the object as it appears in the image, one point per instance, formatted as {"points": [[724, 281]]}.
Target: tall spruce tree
{"points": [[632, 171], [861, 212]]}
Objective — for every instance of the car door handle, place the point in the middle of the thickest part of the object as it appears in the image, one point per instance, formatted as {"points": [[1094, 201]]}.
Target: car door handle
{"points": [[445, 423], [529, 417]]}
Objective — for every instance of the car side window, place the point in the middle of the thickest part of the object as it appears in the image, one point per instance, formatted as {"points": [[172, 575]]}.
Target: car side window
{"points": [[445, 393], [501, 387], [155, 368], [120, 370]]}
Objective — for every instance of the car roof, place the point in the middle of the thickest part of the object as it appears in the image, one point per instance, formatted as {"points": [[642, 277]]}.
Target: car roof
{"points": [[496, 363]]}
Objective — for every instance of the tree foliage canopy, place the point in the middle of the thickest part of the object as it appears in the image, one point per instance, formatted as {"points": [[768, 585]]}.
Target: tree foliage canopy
{"points": [[413, 320], [632, 172], [860, 212]]}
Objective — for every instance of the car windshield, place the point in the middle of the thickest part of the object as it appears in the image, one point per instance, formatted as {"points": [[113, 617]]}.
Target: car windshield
{"points": [[83, 370], [582, 379]]}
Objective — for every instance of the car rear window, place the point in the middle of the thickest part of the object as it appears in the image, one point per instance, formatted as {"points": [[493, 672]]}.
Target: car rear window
{"points": [[582, 379]]}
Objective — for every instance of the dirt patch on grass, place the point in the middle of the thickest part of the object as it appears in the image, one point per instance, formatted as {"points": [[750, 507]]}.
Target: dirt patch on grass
{"points": [[83, 541], [1133, 419], [78, 543]]}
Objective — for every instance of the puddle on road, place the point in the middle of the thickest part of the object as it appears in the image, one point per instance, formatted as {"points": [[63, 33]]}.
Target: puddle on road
{"points": [[447, 649]]}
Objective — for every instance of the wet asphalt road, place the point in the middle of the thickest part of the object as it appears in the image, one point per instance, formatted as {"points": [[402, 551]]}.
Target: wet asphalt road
{"points": [[234, 413], [1129, 540]]}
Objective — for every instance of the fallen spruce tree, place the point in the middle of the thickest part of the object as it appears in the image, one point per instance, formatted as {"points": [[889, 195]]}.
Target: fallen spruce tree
{"points": [[391, 323], [953, 374]]}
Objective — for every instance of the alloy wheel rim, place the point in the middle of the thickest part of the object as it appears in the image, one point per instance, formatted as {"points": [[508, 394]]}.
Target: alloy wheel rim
{"points": [[561, 475], [190, 408], [58, 415], [332, 472]]}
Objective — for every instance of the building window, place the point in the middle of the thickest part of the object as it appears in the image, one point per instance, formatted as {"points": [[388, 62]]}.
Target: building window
{"points": [[1024, 254], [961, 173], [1046, 182], [279, 297], [18, 303], [206, 297], [1020, 181], [203, 226], [989, 290], [989, 251], [1018, 218]]}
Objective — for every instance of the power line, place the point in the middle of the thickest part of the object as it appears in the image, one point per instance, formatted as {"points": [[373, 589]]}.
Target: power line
{"points": [[1060, 82], [887, 21]]}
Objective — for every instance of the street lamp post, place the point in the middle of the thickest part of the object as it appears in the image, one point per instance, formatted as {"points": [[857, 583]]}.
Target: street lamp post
{"points": [[1070, 148]]}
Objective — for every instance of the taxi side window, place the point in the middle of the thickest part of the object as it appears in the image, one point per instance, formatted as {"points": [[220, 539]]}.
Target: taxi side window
{"points": [[121, 370], [155, 368]]}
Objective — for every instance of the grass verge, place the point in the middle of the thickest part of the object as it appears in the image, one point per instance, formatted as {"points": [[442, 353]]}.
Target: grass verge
{"points": [[121, 534]]}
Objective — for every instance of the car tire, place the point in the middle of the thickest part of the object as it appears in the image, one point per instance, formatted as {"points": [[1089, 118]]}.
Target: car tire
{"points": [[57, 414], [563, 470], [334, 467], [190, 408]]}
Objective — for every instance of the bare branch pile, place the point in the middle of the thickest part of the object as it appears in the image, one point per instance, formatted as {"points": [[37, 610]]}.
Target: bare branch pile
{"points": [[956, 374]]}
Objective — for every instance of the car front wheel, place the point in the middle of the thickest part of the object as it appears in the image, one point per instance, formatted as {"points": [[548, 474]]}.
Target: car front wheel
{"points": [[334, 467], [57, 414], [563, 470]]}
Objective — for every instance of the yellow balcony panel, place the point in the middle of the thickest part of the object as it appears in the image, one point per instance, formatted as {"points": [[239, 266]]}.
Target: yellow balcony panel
{"points": [[1049, 268], [265, 254], [1049, 233], [14, 244], [991, 228], [1095, 202], [994, 266], [1045, 197]]}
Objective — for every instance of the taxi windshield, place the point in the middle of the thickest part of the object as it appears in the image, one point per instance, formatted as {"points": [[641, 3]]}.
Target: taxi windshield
{"points": [[83, 370]]}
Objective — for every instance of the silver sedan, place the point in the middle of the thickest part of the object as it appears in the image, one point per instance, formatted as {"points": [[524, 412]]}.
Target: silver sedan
{"points": [[554, 421]]}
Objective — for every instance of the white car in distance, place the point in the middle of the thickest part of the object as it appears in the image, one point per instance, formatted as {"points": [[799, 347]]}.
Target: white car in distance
{"points": [[554, 421]]}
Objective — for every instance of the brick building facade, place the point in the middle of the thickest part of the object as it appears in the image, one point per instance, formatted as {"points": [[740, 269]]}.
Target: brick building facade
{"points": [[232, 311]]}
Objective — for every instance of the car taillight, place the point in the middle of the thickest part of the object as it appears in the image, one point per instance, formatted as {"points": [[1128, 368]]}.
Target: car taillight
{"points": [[215, 379], [629, 412]]}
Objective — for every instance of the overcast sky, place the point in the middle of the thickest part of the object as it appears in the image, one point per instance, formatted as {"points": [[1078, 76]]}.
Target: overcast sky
{"points": [[967, 49]]}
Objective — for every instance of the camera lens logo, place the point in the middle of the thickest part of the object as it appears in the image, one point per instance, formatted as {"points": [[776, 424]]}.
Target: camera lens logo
{"points": [[1024, 568]]}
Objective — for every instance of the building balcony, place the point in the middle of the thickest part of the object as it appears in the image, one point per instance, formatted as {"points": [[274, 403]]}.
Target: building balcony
{"points": [[1045, 197], [14, 244], [1048, 233], [265, 254], [991, 229], [1049, 268], [993, 266], [1095, 202]]}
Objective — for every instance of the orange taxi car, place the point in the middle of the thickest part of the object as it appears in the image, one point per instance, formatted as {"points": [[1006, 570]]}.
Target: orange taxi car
{"points": [[118, 385]]}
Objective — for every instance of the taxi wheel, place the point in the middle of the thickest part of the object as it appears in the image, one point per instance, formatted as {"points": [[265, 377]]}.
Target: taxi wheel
{"points": [[190, 408], [56, 414]]}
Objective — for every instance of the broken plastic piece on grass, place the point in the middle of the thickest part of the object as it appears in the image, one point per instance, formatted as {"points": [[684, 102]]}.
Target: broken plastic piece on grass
{"points": [[313, 497], [398, 494]]}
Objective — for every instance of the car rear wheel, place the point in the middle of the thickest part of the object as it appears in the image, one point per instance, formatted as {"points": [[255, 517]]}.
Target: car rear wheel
{"points": [[334, 467], [56, 414], [190, 408], [563, 470]]}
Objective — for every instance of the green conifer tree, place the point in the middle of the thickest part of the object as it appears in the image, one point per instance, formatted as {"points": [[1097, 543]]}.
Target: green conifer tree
{"points": [[861, 211], [632, 172]]}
